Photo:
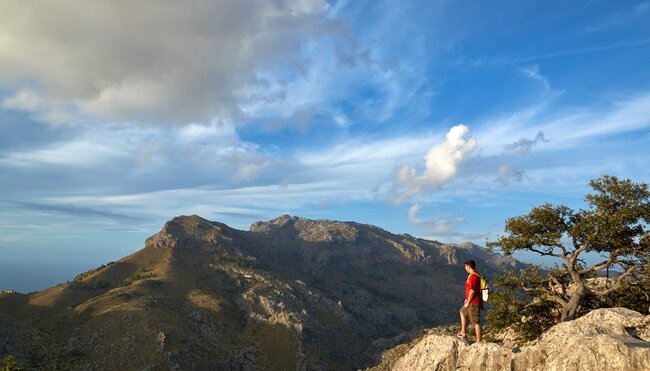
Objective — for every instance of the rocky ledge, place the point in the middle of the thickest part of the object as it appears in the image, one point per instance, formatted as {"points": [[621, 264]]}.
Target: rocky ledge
{"points": [[604, 339]]}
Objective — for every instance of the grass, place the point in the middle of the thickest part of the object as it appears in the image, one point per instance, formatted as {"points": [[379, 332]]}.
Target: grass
{"points": [[81, 276]]}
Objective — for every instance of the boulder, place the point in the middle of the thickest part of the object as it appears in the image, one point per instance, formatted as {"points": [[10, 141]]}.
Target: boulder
{"points": [[604, 339]]}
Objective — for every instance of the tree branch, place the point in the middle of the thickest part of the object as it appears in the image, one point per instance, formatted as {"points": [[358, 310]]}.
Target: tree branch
{"points": [[545, 253], [564, 253], [555, 299], [574, 256], [617, 284], [576, 246], [600, 265], [563, 295], [548, 293]]}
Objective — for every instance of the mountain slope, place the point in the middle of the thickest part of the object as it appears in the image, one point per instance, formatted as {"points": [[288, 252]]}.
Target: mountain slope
{"points": [[291, 293]]}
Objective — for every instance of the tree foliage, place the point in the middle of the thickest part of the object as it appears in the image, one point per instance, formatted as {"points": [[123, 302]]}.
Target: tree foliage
{"points": [[9, 364], [510, 307], [614, 225]]}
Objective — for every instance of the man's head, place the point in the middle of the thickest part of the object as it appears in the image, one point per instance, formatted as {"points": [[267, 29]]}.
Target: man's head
{"points": [[470, 265]]}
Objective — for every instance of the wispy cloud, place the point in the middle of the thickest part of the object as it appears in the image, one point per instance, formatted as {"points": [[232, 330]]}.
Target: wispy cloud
{"points": [[507, 175], [139, 154], [566, 127], [588, 49], [75, 210], [437, 226], [533, 73]]}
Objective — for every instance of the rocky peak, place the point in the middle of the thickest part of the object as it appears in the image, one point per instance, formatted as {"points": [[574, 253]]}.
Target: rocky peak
{"points": [[308, 229], [192, 232], [274, 223]]}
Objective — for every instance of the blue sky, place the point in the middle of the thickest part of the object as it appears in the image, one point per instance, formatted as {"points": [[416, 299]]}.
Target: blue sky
{"points": [[435, 118]]}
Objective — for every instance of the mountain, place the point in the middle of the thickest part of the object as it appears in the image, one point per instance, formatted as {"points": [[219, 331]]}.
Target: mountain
{"points": [[290, 293], [604, 339]]}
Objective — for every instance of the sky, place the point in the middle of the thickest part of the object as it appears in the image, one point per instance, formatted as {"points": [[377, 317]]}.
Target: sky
{"points": [[440, 119]]}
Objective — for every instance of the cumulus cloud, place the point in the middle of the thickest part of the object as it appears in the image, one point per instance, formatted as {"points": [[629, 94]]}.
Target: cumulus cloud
{"points": [[147, 60], [523, 146], [441, 164], [440, 226]]}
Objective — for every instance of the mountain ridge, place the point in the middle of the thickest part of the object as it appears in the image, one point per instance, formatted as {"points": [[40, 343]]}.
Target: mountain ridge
{"points": [[203, 295]]}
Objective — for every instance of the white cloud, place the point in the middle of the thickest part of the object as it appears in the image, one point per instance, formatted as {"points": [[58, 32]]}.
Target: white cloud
{"points": [[80, 152], [413, 214], [506, 175], [147, 60], [438, 226], [441, 164], [148, 156], [568, 128]]}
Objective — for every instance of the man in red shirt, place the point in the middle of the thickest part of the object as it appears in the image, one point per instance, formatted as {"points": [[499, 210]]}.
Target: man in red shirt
{"points": [[472, 306]]}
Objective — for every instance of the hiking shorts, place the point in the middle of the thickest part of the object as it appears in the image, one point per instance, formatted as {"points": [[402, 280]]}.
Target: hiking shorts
{"points": [[472, 312]]}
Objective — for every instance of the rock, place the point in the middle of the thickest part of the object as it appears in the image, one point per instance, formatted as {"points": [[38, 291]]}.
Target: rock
{"points": [[604, 339]]}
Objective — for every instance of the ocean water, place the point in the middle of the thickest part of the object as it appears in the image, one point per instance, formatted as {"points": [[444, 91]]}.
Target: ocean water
{"points": [[26, 277]]}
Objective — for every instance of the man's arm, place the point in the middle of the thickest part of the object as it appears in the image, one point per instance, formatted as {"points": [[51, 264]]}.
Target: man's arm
{"points": [[470, 296]]}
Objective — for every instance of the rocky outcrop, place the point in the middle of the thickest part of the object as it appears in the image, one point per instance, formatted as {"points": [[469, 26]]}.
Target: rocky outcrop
{"points": [[604, 339]]}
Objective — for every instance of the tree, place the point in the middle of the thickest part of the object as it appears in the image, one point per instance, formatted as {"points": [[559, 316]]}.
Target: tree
{"points": [[9, 364], [510, 308], [614, 225]]}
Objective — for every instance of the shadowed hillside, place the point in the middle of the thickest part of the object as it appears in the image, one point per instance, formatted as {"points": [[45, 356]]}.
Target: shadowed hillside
{"points": [[291, 293]]}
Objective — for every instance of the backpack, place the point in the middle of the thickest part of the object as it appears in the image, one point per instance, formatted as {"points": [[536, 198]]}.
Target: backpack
{"points": [[485, 288]]}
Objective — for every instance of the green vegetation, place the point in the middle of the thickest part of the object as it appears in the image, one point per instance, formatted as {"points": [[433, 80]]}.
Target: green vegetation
{"points": [[98, 285], [249, 262], [512, 307], [142, 274], [615, 225], [9, 364], [81, 276], [101, 284]]}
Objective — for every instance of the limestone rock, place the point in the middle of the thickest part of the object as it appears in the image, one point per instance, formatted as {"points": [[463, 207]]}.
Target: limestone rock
{"points": [[604, 339]]}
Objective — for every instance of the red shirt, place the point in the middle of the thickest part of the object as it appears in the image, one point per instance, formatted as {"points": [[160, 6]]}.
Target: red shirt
{"points": [[474, 283]]}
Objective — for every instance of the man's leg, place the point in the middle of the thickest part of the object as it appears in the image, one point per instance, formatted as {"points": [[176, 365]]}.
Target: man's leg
{"points": [[475, 316], [463, 321]]}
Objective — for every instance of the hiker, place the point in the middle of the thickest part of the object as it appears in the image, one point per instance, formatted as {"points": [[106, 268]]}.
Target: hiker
{"points": [[473, 303]]}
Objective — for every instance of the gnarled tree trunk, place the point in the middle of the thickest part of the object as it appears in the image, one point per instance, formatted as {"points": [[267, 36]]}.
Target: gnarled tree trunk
{"points": [[569, 309]]}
